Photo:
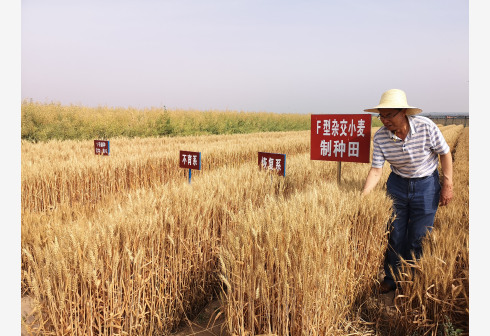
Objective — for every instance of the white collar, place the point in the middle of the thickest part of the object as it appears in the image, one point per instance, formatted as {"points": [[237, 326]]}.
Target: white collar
{"points": [[411, 130]]}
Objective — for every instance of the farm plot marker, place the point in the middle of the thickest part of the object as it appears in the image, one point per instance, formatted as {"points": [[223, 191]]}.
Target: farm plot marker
{"points": [[190, 160], [341, 138], [102, 147], [273, 162]]}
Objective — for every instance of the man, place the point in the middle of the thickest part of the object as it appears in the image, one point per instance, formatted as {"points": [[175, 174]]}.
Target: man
{"points": [[412, 145]]}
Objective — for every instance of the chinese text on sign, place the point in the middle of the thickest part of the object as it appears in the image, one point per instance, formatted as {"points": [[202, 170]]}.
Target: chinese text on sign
{"points": [[273, 161], [190, 160], [341, 137], [101, 147]]}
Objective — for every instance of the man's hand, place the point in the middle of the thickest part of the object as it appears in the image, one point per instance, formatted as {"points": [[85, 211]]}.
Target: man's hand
{"points": [[446, 194], [372, 179]]}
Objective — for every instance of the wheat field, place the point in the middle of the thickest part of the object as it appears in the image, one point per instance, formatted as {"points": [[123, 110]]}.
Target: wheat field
{"points": [[124, 245]]}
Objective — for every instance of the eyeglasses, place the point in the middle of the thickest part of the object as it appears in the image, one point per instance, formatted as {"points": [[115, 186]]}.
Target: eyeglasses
{"points": [[390, 116]]}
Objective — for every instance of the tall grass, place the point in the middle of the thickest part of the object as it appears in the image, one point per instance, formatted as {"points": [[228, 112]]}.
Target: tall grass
{"points": [[49, 121]]}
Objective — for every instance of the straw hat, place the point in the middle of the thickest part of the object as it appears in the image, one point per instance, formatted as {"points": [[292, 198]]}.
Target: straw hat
{"points": [[394, 98]]}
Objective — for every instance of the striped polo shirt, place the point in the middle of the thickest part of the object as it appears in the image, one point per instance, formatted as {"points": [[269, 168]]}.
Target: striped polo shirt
{"points": [[416, 155]]}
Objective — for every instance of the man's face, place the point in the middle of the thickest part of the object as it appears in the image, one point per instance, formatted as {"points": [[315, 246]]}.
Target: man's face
{"points": [[392, 118]]}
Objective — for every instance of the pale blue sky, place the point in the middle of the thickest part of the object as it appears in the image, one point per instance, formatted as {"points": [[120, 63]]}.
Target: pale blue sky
{"points": [[274, 56]]}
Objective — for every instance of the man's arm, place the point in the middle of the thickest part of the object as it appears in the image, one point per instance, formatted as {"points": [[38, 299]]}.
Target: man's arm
{"points": [[372, 180], [447, 180]]}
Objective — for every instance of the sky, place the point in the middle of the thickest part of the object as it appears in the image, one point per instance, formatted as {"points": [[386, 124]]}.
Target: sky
{"points": [[273, 56]]}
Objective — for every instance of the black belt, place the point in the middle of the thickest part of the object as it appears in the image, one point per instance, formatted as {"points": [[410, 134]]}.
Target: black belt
{"points": [[415, 178]]}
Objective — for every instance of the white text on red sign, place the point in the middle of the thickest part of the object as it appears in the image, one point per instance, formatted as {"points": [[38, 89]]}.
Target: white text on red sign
{"points": [[268, 163], [342, 128], [332, 127], [273, 162], [189, 159]]}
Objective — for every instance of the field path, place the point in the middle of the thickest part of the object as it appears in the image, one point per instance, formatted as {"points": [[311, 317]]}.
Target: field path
{"points": [[207, 323]]}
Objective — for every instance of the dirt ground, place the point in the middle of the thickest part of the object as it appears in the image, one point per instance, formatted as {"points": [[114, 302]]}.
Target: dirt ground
{"points": [[207, 322], [26, 310]]}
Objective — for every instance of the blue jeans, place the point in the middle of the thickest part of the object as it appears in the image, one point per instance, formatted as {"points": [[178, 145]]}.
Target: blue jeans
{"points": [[415, 203]]}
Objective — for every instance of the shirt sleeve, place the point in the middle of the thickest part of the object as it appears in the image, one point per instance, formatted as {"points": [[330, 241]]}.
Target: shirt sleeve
{"points": [[438, 143], [378, 157]]}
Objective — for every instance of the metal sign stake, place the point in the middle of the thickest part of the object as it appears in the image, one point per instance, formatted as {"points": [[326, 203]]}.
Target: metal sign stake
{"points": [[339, 169]]}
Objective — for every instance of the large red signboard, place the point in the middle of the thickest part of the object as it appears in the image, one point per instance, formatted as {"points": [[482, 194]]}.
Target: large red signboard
{"points": [[341, 137], [273, 161], [101, 147], [190, 160]]}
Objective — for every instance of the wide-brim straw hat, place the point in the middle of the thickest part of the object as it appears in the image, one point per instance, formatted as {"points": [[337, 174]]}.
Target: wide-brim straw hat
{"points": [[394, 98]]}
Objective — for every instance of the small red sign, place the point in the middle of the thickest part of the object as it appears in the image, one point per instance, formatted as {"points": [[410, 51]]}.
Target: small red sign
{"points": [[341, 137], [190, 160], [273, 161], [101, 147]]}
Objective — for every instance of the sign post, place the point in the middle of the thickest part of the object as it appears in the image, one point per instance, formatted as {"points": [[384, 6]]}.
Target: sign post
{"points": [[339, 171], [341, 138], [101, 147], [190, 160]]}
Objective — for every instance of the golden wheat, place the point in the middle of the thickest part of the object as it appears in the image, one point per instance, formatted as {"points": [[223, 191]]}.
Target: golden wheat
{"points": [[124, 245]]}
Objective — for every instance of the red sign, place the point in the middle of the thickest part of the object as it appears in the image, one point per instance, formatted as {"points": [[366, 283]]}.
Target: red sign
{"points": [[101, 147], [273, 161], [341, 137], [190, 160]]}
